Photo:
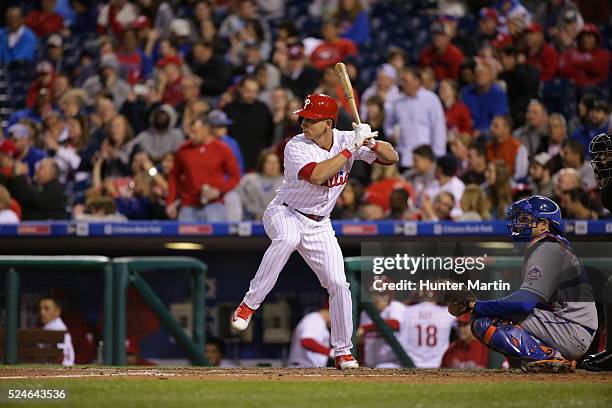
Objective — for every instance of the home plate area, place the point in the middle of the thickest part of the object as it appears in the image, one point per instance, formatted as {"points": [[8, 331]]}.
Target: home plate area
{"points": [[432, 376]]}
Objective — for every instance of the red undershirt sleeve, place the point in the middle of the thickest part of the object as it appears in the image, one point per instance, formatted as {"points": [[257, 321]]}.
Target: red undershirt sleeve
{"points": [[315, 346], [306, 171], [392, 323]]}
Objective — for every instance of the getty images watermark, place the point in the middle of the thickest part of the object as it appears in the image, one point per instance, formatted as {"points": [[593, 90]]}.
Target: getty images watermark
{"points": [[411, 270], [415, 265]]}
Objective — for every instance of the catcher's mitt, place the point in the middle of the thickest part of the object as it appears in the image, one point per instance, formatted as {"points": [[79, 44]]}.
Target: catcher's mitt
{"points": [[459, 301]]}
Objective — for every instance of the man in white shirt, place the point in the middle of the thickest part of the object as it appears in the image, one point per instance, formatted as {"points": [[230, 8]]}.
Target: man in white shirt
{"points": [[310, 345], [422, 175], [377, 352], [7, 216], [420, 117], [384, 86], [49, 312], [446, 180]]}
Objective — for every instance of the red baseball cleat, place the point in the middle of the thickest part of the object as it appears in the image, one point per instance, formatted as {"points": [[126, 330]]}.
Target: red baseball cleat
{"points": [[241, 317], [346, 362]]}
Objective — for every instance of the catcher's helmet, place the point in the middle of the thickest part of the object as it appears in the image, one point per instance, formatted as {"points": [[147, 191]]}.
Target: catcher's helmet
{"points": [[524, 214], [601, 153], [319, 106]]}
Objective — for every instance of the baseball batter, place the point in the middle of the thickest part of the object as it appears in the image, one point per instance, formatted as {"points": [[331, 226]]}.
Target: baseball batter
{"points": [[310, 341], [317, 166], [549, 322]]}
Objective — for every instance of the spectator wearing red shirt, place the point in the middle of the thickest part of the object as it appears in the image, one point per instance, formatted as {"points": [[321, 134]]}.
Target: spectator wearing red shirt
{"points": [[169, 87], [489, 31], [458, 116], [386, 179], [132, 353], [130, 57], [466, 351], [589, 63], [507, 148], [116, 16], [204, 170], [8, 150], [45, 76], [442, 56], [488, 23], [539, 54], [333, 49], [46, 21]]}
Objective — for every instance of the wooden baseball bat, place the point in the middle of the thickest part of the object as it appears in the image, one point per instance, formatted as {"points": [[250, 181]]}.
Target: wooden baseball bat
{"points": [[347, 88]]}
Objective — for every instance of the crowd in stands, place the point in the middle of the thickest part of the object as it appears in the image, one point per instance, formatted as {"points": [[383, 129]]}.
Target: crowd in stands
{"points": [[180, 109]]}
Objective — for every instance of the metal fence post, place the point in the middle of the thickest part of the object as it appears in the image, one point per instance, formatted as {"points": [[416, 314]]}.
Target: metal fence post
{"points": [[108, 314], [353, 267], [119, 319], [12, 315], [387, 334], [199, 308], [167, 321]]}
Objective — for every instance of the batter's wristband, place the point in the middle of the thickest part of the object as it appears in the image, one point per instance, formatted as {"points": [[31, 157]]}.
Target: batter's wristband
{"points": [[346, 153]]}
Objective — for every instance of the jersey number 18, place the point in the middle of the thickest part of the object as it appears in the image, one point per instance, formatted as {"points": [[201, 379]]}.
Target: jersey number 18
{"points": [[427, 333]]}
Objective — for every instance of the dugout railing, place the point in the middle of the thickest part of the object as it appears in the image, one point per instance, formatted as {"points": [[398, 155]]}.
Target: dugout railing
{"points": [[16, 266], [129, 271], [118, 274]]}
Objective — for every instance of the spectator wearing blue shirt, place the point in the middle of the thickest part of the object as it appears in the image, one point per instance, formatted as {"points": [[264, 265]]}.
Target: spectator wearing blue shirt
{"points": [[17, 42], [598, 121], [484, 98], [85, 17], [219, 122], [43, 103], [64, 9], [354, 23], [30, 155]]}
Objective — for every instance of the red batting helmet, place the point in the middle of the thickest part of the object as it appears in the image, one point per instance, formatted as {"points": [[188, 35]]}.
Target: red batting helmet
{"points": [[319, 106]]}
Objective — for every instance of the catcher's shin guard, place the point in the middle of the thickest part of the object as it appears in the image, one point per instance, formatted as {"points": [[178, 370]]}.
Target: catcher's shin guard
{"points": [[511, 340]]}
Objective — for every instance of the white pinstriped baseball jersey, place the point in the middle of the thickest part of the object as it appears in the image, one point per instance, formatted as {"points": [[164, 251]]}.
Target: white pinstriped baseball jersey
{"points": [[312, 326], [428, 327], [377, 352], [307, 197], [316, 242]]}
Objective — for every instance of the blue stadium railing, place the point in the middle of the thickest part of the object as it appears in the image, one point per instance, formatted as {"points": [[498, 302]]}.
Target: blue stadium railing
{"points": [[343, 228]]}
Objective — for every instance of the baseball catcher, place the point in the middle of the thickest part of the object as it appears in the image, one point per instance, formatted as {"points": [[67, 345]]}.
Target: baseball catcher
{"points": [[544, 323], [601, 160]]}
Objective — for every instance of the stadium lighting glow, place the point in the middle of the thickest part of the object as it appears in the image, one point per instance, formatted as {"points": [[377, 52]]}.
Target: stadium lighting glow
{"points": [[183, 245]]}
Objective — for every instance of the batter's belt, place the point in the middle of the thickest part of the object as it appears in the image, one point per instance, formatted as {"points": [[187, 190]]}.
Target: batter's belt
{"points": [[313, 217]]}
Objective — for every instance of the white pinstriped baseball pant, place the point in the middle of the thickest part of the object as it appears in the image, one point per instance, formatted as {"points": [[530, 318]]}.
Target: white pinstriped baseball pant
{"points": [[316, 243]]}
